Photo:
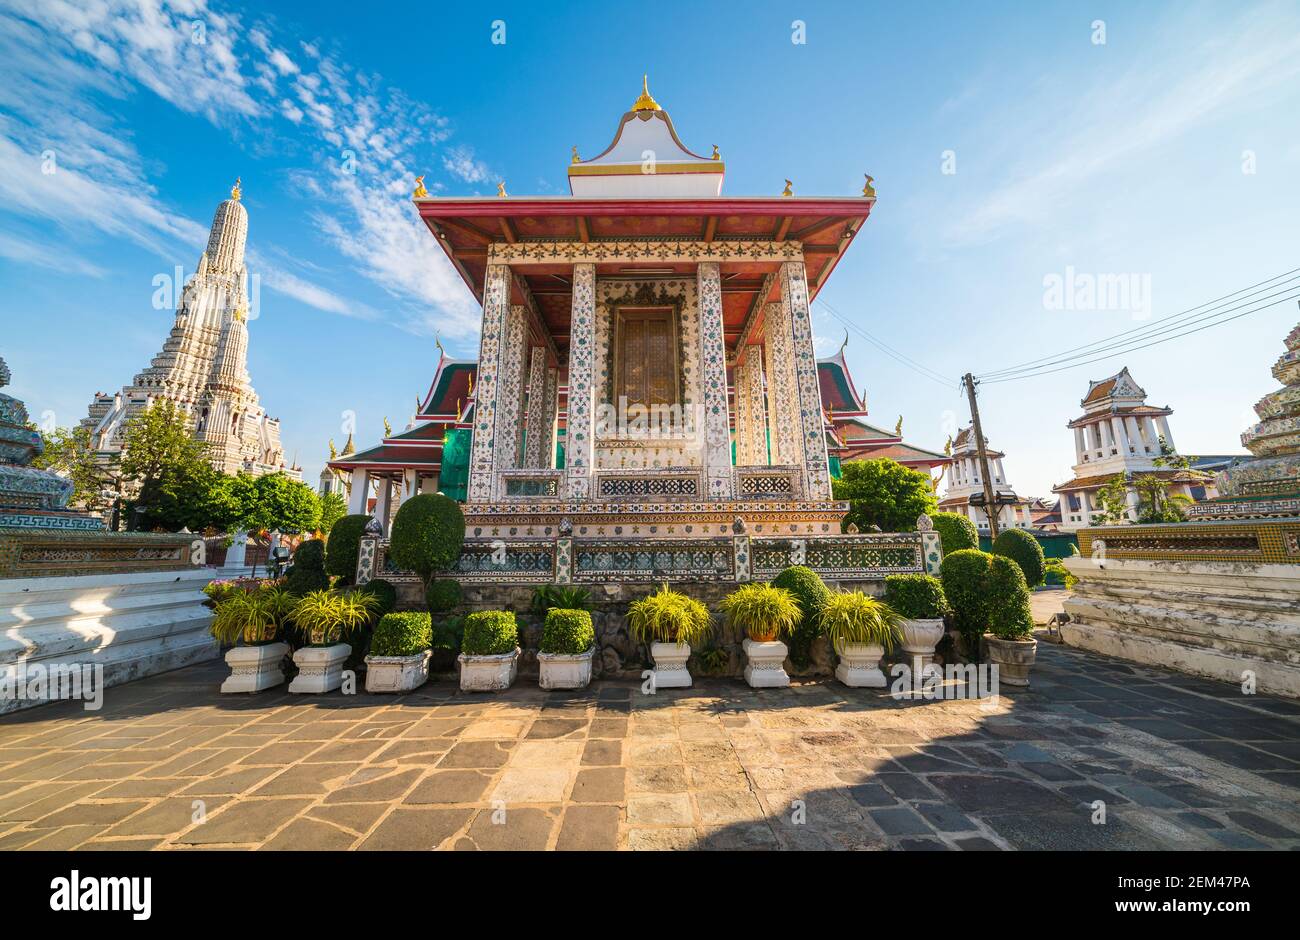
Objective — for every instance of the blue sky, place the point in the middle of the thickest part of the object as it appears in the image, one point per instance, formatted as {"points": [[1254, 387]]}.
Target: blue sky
{"points": [[1115, 158]]}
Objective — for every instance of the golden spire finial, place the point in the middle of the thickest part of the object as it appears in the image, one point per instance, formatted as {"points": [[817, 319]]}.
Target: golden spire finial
{"points": [[868, 190], [576, 158], [789, 189], [235, 192], [420, 192], [645, 102], [501, 189]]}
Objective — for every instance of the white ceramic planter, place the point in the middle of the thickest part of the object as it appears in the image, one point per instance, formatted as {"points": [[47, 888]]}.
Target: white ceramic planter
{"points": [[254, 668], [397, 673], [670, 665], [565, 670], [920, 637], [765, 668], [488, 673], [320, 668], [1014, 658], [860, 666]]}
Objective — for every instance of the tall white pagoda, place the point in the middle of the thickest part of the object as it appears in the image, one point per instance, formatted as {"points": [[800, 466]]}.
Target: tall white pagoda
{"points": [[965, 493], [203, 364]]}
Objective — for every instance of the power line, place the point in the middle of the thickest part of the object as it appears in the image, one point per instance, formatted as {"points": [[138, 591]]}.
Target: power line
{"points": [[888, 350]]}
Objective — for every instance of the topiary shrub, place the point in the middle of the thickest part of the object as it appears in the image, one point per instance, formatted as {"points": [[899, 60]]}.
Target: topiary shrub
{"points": [[490, 633], [916, 596], [302, 581], [344, 545], [1024, 550], [812, 594], [955, 531], [443, 595], [428, 534], [964, 575], [402, 634], [384, 593], [310, 554], [567, 631], [1010, 617]]}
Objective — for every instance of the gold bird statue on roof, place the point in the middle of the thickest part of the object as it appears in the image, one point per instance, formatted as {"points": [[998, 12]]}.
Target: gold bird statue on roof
{"points": [[501, 189], [420, 192], [789, 189], [898, 428], [869, 191]]}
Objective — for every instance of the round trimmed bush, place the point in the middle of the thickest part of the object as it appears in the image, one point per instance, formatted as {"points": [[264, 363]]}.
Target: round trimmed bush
{"points": [[955, 531], [812, 594], [490, 633], [1024, 550], [916, 596], [443, 595], [385, 593], [310, 554], [428, 534], [567, 631], [964, 575], [1010, 617], [402, 634], [344, 546]]}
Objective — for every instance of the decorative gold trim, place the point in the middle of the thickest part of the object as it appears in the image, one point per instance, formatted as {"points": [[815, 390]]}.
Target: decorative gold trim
{"points": [[644, 102], [634, 169]]}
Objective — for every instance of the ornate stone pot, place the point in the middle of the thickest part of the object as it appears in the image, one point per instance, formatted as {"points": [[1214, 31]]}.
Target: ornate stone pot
{"points": [[397, 673], [254, 668], [493, 673], [320, 668], [565, 670], [765, 668], [1014, 658], [920, 637], [670, 665], [859, 666]]}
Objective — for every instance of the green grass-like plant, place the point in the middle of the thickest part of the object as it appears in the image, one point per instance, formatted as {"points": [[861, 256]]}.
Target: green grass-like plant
{"points": [[667, 616], [568, 632], [565, 597], [325, 617], [402, 634], [916, 596], [763, 611], [490, 633], [244, 617], [851, 617]]}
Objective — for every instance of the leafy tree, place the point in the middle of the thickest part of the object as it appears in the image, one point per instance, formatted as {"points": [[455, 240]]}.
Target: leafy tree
{"points": [[68, 453], [1155, 501], [274, 501], [883, 492], [161, 456], [333, 507]]}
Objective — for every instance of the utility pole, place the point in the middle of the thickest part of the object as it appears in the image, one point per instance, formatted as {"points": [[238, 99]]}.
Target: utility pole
{"points": [[990, 504]]}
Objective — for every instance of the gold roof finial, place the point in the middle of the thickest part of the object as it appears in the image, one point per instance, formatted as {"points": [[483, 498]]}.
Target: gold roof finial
{"points": [[420, 192], [388, 428], [868, 190], [333, 453], [716, 155], [576, 158], [501, 189], [437, 341], [235, 192], [645, 102], [789, 189]]}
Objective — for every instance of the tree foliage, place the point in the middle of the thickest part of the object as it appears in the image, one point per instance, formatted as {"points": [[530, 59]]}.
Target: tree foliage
{"points": [[333, 507], [955, 531], [68, 453], [884, 493]]}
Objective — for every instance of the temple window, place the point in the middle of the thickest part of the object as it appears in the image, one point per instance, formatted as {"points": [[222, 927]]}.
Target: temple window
{"points": [[646, 356]]}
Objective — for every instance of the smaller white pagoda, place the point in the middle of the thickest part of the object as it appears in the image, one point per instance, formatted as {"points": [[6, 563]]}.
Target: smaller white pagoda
{"points": [[965, 493]]}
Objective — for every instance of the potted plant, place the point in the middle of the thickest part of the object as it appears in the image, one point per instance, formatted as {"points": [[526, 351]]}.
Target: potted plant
{"points": [[399, 652], [919, 600], [253, 619], [549, 596], [1010, 638], [861, 629], [764, 613], [489, 657], [669, 622], [568, 643], [324, 618]]}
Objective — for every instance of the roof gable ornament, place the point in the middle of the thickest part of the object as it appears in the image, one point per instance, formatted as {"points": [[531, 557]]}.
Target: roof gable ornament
{"points": [[645, 102], [236, 191]]}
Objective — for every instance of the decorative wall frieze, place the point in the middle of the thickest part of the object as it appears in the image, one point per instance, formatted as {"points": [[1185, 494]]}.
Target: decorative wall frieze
{"points": [[524, 253]]}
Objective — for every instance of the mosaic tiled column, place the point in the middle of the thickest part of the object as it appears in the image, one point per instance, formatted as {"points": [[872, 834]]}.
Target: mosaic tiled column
{"points": [[782, 393], [496, 303], [579, 435], [751, 421], [534, 433], [510, 392], [794, 307], [713, 379]]}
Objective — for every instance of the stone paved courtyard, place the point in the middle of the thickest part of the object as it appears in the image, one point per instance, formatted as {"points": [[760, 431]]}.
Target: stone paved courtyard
{"points": [[1179, 763]]}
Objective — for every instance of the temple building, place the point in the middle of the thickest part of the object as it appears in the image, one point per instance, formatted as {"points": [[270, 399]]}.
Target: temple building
{"points": [[203, 364], [646, 399], [965, 492], [1119, 433]]}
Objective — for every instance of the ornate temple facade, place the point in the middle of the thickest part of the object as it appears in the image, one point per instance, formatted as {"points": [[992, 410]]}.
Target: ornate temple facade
{"points": [[203, 364], [965, 493], [646, 400], [1119, 433]]}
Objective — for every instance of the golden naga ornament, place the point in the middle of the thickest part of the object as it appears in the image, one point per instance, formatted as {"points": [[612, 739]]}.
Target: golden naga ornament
{"points": [[576, 158], [789, 189], [501, 189], [868, 190], [716, 155], [388, 428], [420, 192], [236, 193], [645, 102]]}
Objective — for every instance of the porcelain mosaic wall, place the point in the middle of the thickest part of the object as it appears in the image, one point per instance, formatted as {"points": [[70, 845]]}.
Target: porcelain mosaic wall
{"points": [[534, 436], [495, 303], [713, 379], [579, 435], [794, 307]]}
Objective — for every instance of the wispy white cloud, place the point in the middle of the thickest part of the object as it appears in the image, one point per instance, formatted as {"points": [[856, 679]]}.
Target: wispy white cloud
{"points": [[28, 251], [460, 163]]}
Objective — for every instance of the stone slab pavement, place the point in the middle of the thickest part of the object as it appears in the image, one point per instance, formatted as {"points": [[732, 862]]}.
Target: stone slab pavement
{"points": [[1169, 762]]}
